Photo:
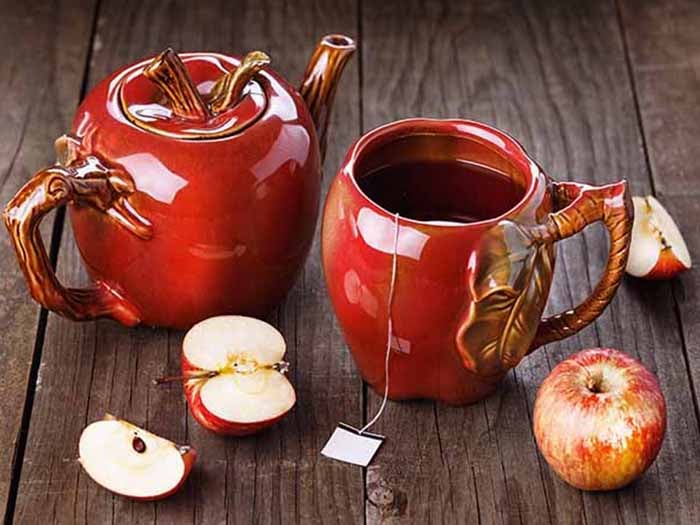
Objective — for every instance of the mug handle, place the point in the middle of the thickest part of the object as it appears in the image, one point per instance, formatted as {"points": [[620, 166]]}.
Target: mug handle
{"points": [[84, 182], [584, 205]]}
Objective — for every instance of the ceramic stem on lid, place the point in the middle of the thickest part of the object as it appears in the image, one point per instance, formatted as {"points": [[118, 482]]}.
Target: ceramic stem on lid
{"points": [[168, 72], [174, 96]]}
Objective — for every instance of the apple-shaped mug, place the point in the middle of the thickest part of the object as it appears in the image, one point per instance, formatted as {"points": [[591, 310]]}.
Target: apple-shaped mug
{"points": [[468, 296], [193, 185]]}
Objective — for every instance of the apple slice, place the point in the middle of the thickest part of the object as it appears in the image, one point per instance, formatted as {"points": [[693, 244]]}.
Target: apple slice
{"points": [[658, 250], [132, 462], [234, 375]]}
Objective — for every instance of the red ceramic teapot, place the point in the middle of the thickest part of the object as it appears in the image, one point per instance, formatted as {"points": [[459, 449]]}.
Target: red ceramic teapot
{"points": [[193, 184], [469, 293]]}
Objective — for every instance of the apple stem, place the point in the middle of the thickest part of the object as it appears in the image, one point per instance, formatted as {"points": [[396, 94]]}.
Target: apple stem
{"points": [[169, 73], [592, 382], [229, 88], [198, 375], [591, 385], [282, 367]]}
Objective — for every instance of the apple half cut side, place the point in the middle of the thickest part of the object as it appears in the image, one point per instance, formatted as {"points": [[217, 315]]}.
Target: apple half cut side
{"points": [[658, 250], [234, 375], [133, 462]]}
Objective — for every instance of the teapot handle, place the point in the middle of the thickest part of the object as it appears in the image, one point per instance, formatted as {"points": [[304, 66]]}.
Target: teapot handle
{"points": [[83, 182], [584, 205]]}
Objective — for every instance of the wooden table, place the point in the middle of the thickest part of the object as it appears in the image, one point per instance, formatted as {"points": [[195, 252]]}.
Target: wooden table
{"points": [[597, 90]]}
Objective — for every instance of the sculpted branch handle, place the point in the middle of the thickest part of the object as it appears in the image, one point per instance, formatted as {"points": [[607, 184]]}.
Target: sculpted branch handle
{"points": [[583, 205], [83, 182]]}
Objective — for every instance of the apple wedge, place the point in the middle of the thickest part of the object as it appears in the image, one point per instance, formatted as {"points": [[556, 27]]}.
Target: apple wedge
{"points": [[133, 462], [658, 250], [234, 375]]}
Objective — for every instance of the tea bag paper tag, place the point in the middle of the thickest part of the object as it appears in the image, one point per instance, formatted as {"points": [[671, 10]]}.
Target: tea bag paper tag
{"points": [[350, 445], [347, 443]]}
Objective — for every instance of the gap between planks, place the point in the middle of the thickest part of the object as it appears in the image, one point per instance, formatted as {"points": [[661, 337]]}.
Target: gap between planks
{"points": [[40, 333], [652, 183]]}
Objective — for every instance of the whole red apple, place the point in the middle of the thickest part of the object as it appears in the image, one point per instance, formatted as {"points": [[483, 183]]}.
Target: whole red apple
{"points": [[600, 419]]}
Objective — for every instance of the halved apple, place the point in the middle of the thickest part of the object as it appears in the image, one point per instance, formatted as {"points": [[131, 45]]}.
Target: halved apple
{"points": [[658, 250], [234, 375], [133, 462]]}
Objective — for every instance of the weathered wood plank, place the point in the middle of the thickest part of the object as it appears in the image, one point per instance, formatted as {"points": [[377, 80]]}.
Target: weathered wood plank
{"points": [[664, 52], [40, 79], [664, 57], [554, 75], [91, 368], [686, 289]]}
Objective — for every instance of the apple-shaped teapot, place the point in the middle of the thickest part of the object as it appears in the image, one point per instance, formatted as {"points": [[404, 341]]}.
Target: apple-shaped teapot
{"points": [[193, 186]]}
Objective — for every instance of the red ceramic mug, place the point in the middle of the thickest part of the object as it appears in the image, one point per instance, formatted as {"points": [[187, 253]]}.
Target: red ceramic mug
{"points": [[469, 296]]}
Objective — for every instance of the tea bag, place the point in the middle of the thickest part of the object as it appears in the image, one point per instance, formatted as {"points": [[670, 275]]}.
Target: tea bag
{"points": [[357, 446]]}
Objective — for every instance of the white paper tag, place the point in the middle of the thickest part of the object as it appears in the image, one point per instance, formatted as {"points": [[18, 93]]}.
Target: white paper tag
{"points": [[349, 445]]}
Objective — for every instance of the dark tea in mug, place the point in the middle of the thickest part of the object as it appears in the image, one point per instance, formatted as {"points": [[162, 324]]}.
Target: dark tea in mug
{"points": [[454, 191]]}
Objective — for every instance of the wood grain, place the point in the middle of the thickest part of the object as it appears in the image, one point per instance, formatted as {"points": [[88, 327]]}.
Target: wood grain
{"points": [[664, 54], [596, 90], [664, 59], [40, 79], [686, 288], [90, 368], [554, 75]]}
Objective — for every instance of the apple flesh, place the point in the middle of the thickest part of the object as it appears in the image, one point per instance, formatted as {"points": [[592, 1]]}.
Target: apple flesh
{"points": [[600, 419], [133, 462], [233, 369], [657, 249]]}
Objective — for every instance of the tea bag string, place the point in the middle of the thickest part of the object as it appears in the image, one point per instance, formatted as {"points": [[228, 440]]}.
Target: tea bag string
{"points": [[390, 330]]}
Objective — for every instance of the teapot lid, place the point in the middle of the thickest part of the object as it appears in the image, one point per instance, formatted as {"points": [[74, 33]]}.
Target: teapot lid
{"points": [[180, 96]]}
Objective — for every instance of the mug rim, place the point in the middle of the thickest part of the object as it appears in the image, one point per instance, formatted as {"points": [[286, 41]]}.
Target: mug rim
{"points": [[458, 128]]}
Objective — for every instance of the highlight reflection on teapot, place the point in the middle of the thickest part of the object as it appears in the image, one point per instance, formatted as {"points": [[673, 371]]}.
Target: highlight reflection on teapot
{"points": [[193, 186]]}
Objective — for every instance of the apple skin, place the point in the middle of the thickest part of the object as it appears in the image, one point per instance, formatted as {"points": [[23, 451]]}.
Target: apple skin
{"points": [[189, 458], [210, 421], [606, 440], [667, 266]]}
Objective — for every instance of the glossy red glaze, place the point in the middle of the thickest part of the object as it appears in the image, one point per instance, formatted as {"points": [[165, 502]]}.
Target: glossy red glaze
{"points": [[213, 422], [435, 262], [232, 218]]}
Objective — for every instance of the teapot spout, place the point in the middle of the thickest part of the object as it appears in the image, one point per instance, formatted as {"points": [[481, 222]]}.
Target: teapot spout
{"points": [[321, 80]]}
